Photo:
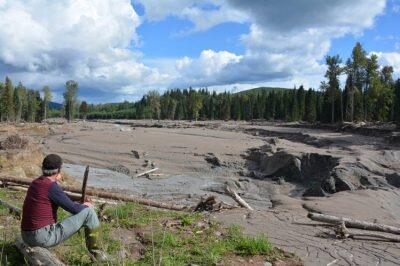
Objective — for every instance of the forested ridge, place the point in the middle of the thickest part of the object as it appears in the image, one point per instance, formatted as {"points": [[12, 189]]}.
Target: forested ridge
{"points": [[369, 94]]}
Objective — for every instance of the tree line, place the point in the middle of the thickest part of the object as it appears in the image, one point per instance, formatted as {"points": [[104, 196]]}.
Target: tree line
{"points": [[22, 104], [368, 94]]}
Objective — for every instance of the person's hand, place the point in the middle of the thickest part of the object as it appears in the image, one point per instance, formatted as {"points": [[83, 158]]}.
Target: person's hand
{"points": [[88, 203]]}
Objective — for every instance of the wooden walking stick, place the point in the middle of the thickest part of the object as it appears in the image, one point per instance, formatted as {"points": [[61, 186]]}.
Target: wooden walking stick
{"points": [[84, 184]]}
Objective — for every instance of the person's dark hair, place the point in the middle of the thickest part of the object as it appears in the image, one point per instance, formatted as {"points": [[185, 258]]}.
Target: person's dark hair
{"points": [[51, 165]]}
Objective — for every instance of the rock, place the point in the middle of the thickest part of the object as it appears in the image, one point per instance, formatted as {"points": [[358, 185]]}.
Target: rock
{"points": [[269, 148], [120, 169], [273, 141], [214, 160], [267, 263], [393, 179], [282, 164], [136, 154], [342, 184], [315, 190]]}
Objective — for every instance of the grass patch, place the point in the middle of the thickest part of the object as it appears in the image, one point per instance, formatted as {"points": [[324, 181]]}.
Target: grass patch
{"points": [[137, 235]]}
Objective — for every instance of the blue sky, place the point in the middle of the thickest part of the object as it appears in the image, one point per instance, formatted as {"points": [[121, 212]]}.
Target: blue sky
{"points": [[163, 38], [120, 49]]}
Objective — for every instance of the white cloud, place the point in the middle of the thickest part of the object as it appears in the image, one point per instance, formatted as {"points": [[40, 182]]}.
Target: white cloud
{"points": [[89, 41], [205, 70], [204, 14], [390, 59], [292, 15], [44, 41], [287, 40]]}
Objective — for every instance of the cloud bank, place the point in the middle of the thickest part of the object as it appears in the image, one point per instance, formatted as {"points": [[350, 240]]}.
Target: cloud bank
{"points": [[96, 43]]}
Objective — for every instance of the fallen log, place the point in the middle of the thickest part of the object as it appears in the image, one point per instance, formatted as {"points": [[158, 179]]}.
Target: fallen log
{"points": [[237, 198], [13, 210], [375, 236], [146, 172], [103, 194], [36, 256], [342, 232], [71, 195], [353, 223]]}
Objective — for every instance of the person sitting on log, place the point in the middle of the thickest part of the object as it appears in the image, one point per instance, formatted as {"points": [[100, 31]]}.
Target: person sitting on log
{"points": [[39, 226]]}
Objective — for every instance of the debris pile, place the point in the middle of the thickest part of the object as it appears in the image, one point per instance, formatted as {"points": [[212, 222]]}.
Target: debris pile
{"points": [[14, 142]]}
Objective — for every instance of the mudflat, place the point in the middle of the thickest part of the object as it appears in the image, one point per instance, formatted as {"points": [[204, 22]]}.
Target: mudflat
{"points": [[282, 170]]}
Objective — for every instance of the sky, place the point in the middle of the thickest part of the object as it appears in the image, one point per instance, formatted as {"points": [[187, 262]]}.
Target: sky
{"points": [[118, 50]]}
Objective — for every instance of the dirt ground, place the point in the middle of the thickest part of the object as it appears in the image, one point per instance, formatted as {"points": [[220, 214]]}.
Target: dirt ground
{"points": [[277, 168]]}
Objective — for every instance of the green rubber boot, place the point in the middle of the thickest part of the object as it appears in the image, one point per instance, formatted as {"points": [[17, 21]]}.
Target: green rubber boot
{"points": [[92, 244]]}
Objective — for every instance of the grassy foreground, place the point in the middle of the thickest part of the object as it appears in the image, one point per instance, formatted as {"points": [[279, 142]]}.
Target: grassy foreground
{"points": [[136, 235]]}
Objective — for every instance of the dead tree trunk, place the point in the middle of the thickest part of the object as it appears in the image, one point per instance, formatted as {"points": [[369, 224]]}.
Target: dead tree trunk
{"points": [[237, 198], [37, 256], [352, 223]]}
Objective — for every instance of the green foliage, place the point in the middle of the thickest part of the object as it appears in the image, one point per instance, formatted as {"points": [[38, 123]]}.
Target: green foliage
{"points": [[70, 99], [397, 103], [248, 245], [190, 238], [83, 110], [47, 96], [332, 74], [7, 101]]}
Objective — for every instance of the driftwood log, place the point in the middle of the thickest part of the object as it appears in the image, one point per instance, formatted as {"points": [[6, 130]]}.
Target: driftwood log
{"points": [[342, 232], [36, 255], [353, 223], [237, 198], [71, 195], [103, 194], [146, 172]]}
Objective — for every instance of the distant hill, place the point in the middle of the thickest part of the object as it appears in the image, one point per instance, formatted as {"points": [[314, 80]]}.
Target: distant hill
{"points": [[55, 106], [260, 90]]}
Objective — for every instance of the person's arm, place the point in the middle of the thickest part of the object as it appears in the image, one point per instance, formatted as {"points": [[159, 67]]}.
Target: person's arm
{"points": [[58, 197]]}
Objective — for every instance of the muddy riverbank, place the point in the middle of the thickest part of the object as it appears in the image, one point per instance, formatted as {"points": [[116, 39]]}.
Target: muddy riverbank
{"points": [[282, 171]]}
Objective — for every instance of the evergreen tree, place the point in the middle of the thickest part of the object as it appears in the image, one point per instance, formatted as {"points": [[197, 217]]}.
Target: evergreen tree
{"points": [[310, 107], [194, 104], [294, 106], [372, 87], [83, 110], [47, 97], [332, 74], [18, 102], [301, 101], [2, 106], [153, 98], [357, 76], [397, 103], [33, 106], [7, 101], [70, 95]]}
